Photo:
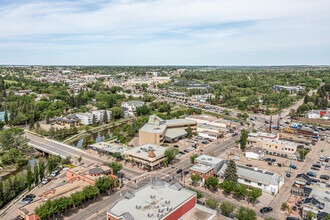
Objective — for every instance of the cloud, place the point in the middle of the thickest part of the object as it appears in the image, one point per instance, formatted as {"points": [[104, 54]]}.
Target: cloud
{"points": [[184, 26]]}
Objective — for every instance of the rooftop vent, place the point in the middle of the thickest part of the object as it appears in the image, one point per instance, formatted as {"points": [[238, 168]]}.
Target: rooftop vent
{"points": [[209, 158], [161, 210], [169, 209], [255, 168], [167, 201], [138, 206], [160, 215], [156, 206], [153, 196], [150, 215], [264, 171]]}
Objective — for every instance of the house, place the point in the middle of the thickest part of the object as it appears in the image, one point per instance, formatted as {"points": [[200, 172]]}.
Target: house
{"points": [[126, 112], [326, 117], [69, 120], [265, 180], [156, 200]]}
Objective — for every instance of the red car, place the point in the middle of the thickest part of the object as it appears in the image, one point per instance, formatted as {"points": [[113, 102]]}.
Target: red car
{"points": [[249, 165]]}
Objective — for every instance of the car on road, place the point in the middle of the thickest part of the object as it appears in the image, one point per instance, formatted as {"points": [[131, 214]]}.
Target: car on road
{"points": [[187, 151], [266, 209], [300, 136], [179, 171], [176, 146], [311, 174], [54, 173], [27, 199], [249, 165], [186, 172], [291, 218], [45, 181], [325, 177], [181, 152]]}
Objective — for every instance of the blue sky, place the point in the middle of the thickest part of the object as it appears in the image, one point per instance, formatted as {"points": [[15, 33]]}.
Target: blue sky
{"points": [[165, 32]]}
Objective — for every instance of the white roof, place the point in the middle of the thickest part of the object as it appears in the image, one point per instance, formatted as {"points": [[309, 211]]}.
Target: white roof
{"points": [[145, 149], [209, 160], [201, 168], [150, 199]]}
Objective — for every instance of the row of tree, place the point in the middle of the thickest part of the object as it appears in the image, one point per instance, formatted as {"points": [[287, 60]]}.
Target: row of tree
{"points": [[60, 205]]}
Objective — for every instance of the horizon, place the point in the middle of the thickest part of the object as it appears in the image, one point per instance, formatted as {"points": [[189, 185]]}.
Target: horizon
{"points": [[165, 32]]}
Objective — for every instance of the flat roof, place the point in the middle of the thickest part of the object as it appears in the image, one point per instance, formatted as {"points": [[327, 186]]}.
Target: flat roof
{"points": [[109, 147], [275, 141], [179, 121], [209, 160], [144, 150], [319, 192], [211, 127], [201, 168], [175, 133], [152, 128], [255, 174], [84, 171], [157, 197], [60, 191]]}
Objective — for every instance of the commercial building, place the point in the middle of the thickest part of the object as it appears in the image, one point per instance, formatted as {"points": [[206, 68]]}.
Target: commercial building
{"points": [[69, 120], [132, 105], [211, 131], [149, 156], [314, 195], [291, 89], [254, 153], [208, 120], [271, 143], [108, 147], [206, 166], [158, 131], [77, 179], [157, 200], [267, 181]]}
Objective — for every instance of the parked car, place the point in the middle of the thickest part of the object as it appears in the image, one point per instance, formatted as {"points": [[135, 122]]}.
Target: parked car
{"points": [[266, 209], [181, 152], [293, 167], [186, 172], [179, 171], [45, 181], [315, 168], [279, 164], [249, 165], [288, 175], [273, 160], [275, 164], [187, 151], [27, 199], [291, 218], [269, 162], [176, 146], [325, 177], [311, 174]]}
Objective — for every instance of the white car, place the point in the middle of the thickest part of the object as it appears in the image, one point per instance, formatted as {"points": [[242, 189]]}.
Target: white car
{"points": [[275, 164], [294, 157], [289, 170], [45, 181]]}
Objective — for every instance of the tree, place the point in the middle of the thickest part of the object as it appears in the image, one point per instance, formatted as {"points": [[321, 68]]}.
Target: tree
{"points": [[302, 153], [192, 158], [227, 186], [117, 112], [90, 192], [50, 164], [47, 118], [117, 131], [2, 198], [240, 190], [165, 162], [310, 215], [227, 208], [36, 173], [79, 159], [41, 169], [2, 124], [189, 131], [285, 206], [116, 167], [195, 178], [105, 117], [231, 172], [243, 138], [171, 152], [254, 194], [77, 198], [6, 116], [94, 120], [212, 181], [104, 183], [245, 214], [29, 176], [143, 110], [212, 203], [292, 113], [328, 217], [116, 155]]}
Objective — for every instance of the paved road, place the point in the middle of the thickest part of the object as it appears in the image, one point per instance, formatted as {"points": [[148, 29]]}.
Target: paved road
{"points": [[67, 150]]}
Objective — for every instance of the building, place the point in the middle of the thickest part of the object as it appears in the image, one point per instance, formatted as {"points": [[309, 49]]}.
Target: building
{"points": [[69, 120], [108, 147], [206, 166], [271, 143], [126, 112], [313, 194], [132, 105], [157, 131], [208, 120], [267, 181], [87, 118], [313, 114], [89, 173], [211, 131], [159, 200], [149, 156], [291, 89], [77, 179], [254, 153]]}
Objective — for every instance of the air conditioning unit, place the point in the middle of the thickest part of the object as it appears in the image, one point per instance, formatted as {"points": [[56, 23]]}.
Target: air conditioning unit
{"points": [[150, 214], [167, 201]]}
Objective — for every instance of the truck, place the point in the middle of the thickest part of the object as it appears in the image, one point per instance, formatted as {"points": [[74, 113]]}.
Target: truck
{"points": [[200, 105]]}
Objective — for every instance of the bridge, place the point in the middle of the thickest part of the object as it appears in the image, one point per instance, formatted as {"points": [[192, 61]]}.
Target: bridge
{"points": [[63, 150]]}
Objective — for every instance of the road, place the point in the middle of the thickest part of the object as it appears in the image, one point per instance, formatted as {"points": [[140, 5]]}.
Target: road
{"points": [[67, 150]]}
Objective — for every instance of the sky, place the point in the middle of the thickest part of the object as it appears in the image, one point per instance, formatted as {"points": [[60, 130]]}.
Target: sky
{"points": [[164, 32]]}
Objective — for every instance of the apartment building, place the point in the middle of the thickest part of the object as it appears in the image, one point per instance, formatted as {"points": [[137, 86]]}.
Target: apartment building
{"points": [[132, 106], [87, 118]]}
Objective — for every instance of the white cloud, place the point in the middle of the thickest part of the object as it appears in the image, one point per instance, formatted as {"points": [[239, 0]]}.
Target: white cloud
{"points": [[183, 26]]}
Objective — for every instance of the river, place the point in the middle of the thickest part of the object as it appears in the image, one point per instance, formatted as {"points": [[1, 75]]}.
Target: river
{"points": [[21, 169]]}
